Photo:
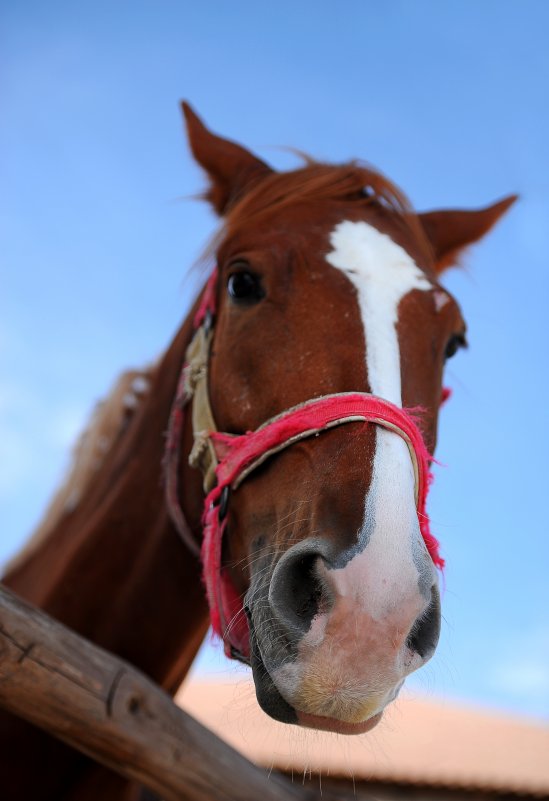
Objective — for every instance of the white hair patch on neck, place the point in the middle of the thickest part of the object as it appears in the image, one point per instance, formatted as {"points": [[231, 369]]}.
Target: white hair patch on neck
{"points": [[441, 299]]}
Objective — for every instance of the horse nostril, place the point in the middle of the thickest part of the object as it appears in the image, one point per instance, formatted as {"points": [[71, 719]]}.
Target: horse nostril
{"points": [[306, 588], [297, 590], [423, 637]]}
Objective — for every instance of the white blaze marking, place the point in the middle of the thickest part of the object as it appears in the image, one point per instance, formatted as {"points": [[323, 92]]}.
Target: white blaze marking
{"points": [[383, 577], [382, 273]]}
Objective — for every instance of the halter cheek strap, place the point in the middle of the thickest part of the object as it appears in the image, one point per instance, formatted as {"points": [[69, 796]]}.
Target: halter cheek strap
{"points": [[227, 460], [192, 384]]}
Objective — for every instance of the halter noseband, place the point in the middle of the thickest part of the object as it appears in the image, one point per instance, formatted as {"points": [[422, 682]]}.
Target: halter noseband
{"points": [[226, 460]]}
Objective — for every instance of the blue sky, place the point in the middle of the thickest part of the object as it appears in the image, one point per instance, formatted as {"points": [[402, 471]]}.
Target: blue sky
{"points": [[97, 235]]}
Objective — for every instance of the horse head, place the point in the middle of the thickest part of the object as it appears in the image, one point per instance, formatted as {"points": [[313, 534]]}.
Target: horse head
{"points": [[328, 284]]}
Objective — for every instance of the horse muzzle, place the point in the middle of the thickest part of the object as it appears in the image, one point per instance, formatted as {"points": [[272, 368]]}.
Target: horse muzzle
{"points": [[325, 652]]}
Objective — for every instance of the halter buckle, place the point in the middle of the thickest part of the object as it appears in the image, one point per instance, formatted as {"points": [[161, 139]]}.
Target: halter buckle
{"points": [[207, 323], [224, 502]]}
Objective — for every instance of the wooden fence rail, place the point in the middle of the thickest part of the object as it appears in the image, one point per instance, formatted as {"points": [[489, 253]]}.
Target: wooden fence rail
{"points": [[110, 711]]}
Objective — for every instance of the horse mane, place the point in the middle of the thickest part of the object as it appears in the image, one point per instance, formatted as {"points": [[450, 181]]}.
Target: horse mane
{"points": [[108, 422], [317, 182]]}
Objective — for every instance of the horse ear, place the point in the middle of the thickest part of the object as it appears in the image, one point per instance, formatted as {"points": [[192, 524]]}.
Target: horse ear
{"points": [[449, 231], [231, 168]]}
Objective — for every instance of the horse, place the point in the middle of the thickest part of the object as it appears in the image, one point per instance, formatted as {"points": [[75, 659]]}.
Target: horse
{"points": [[286, 434]]}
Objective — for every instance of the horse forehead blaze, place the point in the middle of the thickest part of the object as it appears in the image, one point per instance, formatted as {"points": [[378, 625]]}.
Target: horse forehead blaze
{"points": [[382, 273]]}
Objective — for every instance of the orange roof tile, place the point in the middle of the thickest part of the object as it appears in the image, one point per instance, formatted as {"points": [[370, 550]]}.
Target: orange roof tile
{"points": [[419, 741]]}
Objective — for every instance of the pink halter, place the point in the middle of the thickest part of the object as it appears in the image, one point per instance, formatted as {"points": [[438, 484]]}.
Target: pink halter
{"points": [[238, 456]]}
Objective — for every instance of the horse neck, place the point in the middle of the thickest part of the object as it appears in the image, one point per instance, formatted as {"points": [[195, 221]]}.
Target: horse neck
{"points": [[114, 569]]}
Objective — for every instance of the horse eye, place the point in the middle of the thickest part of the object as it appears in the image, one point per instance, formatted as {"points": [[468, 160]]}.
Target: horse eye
{"points": [[455, 342], [245, 287]]}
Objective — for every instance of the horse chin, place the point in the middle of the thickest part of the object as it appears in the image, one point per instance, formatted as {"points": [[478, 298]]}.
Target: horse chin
{"points": [[274, 704]]}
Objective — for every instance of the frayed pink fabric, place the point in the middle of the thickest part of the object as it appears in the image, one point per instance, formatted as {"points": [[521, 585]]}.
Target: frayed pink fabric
{"points": [[241, 452]]}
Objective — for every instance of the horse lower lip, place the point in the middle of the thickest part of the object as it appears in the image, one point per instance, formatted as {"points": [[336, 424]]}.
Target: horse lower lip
{"points": [[338, 726]]}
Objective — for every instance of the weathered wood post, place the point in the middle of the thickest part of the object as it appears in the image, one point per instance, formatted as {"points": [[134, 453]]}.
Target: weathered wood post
{"points": [[110, 711]]}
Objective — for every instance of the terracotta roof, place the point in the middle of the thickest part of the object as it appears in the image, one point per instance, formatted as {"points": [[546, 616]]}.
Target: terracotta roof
{"points": [[419, 741]]}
